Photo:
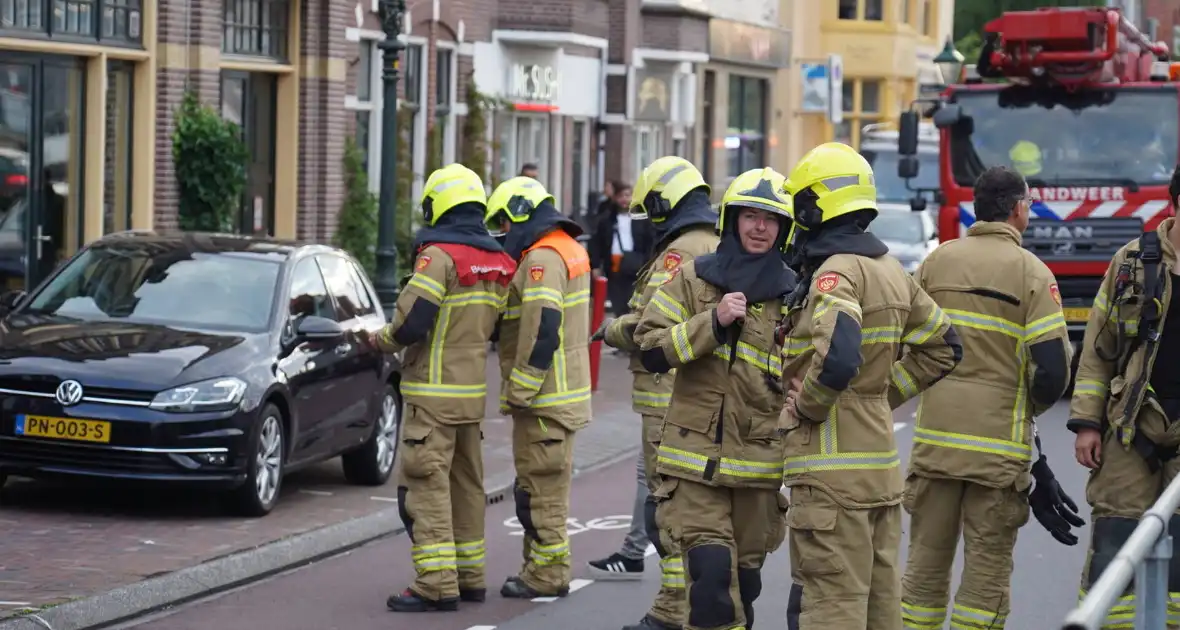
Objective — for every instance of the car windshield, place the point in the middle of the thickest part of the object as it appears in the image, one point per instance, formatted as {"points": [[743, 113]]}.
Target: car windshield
{"points": [[898, 226], [155, 283], [1092, 138], [890, 187]]}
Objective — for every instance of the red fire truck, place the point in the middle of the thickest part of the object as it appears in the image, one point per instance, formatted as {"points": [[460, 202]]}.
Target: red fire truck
{"points": [[1082, 104]]}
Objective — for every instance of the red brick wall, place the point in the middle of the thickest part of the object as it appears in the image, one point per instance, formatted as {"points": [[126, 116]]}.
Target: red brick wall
{"points": [[1168, 14]]}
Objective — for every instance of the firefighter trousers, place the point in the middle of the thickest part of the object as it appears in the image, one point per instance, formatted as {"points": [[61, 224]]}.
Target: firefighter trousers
{"points": [[844, 568], [987, 519], [668, 606], [724, 535], [441, 500], [543, 452], [1119, 491]]}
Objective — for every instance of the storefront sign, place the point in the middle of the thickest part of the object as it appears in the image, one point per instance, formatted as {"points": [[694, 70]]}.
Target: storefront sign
{"points": [[737, 42], [532, 82], [653, 94]]}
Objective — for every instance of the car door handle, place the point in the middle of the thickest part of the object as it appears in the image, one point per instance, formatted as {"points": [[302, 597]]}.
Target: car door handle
{"points": [[344, 348]]}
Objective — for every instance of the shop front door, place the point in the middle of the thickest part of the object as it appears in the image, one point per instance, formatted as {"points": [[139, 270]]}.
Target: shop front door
{"points": [[248, 100], [41, 103]]}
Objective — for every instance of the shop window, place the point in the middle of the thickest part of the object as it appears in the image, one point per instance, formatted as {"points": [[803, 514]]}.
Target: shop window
{"points": [[862, 106], [708, 132], [578, 167], [531, 146], [112, 21], [745, 140], [117, 161], [256, 28], [872, 10]]}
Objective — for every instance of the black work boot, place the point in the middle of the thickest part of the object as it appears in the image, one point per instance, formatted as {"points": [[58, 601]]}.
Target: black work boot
{"points": [[409, 601], [473, 594], [651, 623], [515, 588]]}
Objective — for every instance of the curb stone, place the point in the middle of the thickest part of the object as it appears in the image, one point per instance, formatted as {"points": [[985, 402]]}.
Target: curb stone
{"points": [[128, 602]]}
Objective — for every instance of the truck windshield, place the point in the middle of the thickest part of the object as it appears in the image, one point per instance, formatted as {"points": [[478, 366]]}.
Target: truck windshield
{"points": [[1097, 137], [890, 187]]}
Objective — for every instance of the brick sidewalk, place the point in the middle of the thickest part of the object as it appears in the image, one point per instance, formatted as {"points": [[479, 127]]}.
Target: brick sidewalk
{"points": [[65, 542]]}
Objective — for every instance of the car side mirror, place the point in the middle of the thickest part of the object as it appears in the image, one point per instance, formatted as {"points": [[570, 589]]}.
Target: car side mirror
{"points": [[314, 328], [10, 299], [907, 135], [918, 204], [907, 167], [948, 115]]}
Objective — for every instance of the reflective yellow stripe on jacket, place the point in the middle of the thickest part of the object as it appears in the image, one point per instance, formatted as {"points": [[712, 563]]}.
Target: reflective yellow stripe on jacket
{"points": [[1017, 445], [737, 468], [435, 386], [561, 396]]}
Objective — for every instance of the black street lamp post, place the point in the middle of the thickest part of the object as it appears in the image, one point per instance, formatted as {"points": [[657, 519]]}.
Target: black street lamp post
{"points": [[392, 14]]}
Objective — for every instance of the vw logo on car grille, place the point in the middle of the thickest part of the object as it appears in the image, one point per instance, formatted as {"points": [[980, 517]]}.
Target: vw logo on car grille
{"points": [[69, 393]]}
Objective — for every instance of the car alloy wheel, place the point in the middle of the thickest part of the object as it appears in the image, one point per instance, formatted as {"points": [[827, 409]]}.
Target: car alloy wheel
{"points": [[387, 432], [269, 460]]}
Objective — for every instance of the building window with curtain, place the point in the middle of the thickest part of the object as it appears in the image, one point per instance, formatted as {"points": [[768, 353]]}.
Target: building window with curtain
{"points": [[862, 106], [256, 28], [116, 201], [871, 10], [412, 97], [745, 136], [364, 105], [649, 142]]}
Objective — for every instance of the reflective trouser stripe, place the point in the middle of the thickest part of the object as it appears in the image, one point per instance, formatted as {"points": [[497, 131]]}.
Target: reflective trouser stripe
{"points": [[672, 569], [1122, 614], [436, 557], [966, 618], [922, 617], [470, 554], [543, 555]]}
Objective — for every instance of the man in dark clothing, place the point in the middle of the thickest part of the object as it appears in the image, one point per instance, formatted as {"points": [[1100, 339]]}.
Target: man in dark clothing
{"points": [[619, 247]]}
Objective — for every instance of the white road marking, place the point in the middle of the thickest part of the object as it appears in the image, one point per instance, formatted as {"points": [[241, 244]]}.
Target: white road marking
{"points": [[650, 551], [15, 603], [898, 426], [575, 585], [482, 628], [393, 500], [318, 493]]}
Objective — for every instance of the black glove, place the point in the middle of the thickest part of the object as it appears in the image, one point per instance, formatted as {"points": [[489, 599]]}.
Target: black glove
{"points": [[1052, 507], [600, 334]]}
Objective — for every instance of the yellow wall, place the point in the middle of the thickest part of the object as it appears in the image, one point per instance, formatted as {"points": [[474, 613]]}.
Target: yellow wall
{"points": [[886, 56]]}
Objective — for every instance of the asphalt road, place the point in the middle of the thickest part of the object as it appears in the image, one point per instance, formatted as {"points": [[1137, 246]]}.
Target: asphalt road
{"points": [[348, 592]]}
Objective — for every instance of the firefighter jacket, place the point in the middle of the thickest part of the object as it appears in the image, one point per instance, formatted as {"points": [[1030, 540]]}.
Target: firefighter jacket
{"points": [[842, 343], [443, 318], [977, 424], [1118, 353], [651, 393], [544, 345], [721, 428]]}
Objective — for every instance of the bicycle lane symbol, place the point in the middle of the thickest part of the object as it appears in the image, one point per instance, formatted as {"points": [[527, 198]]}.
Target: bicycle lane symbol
{"points": [[575, 526]]}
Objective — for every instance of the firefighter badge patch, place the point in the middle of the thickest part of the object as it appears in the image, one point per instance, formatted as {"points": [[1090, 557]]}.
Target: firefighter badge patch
{"points": [[423, 263], [827, 282], [536, 272], [1056, 293], [671, 261]]}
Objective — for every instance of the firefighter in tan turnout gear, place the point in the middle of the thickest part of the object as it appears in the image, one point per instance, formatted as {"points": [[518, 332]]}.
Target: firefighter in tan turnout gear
{"points": [[443, 318], [545, 367], [853, 311], [974, 433], [720, 451], [1126, 402], [673, 195]]}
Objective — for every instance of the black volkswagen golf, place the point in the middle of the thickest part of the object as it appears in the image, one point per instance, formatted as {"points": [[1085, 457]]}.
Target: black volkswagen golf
{"points": [[201, 359]]}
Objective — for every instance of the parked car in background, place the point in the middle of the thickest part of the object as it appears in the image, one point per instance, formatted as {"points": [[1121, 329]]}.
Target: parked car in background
{"points": [[910, 235], [203, 359]]}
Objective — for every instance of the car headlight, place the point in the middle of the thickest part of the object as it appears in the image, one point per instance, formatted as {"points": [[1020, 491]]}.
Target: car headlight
{"points": [[211, 395]]}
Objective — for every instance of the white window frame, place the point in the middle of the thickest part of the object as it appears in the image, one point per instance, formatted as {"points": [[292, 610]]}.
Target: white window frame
{"points": [[375, 106], [451, 139], [584, 177], [514, 159]]}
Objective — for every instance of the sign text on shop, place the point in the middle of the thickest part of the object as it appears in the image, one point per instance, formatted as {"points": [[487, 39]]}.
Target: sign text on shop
{"points": [[532, 82]]}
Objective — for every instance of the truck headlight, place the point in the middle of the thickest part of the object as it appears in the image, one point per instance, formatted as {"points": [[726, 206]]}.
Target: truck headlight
{"points": [[215, 394]]}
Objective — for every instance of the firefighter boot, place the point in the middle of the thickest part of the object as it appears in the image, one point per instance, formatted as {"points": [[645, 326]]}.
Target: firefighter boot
{"points": [[409, 601], [651, 623], [515, 588]]}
